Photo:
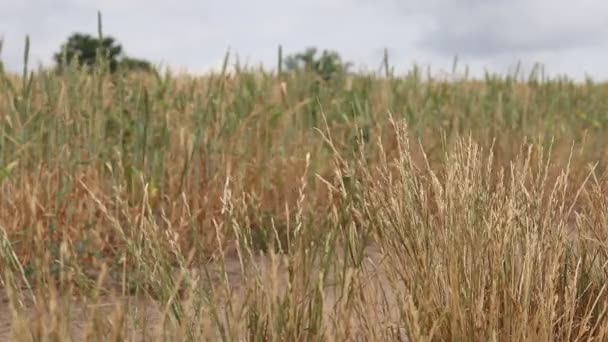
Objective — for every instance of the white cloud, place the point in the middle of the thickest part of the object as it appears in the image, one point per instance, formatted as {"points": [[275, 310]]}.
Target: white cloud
{"points": [[567, 36]]}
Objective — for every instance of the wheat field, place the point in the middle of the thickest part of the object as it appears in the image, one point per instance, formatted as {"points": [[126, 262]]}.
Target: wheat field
{"points": [[262, 206]]}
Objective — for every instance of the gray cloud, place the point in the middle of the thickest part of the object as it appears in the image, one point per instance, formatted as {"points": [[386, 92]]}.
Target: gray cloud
{"points": [[487, 28]]}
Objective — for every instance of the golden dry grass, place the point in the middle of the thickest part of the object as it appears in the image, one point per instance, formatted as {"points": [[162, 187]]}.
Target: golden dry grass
{"points": [[251, 206]]}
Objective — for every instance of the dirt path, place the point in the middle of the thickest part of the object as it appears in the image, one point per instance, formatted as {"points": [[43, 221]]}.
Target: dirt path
{"points": [[150, 313]]}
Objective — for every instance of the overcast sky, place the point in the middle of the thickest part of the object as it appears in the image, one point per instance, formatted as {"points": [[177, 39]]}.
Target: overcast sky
{"points": [[568, 37]]}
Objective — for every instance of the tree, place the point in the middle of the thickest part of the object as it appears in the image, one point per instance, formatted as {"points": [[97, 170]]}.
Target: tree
{"points": [[135, 64], [327, 65], [83, 49], [1, 63]]}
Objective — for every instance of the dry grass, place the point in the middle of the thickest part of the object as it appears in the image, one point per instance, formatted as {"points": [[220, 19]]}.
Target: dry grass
{"points": [[253, 206]]}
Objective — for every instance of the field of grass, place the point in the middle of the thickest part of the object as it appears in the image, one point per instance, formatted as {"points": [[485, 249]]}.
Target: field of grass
{"points": [[249, 205]]}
